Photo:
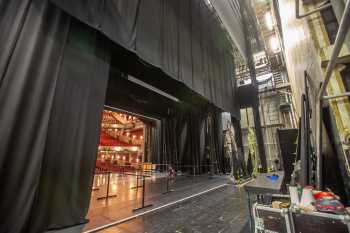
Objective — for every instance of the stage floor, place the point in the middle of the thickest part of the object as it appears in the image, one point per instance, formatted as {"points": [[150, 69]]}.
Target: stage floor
{"points": [[223, 210], [103, 212]]}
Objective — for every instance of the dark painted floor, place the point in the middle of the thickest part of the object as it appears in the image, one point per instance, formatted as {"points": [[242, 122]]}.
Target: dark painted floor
{"points": [[223, 210], [103, 212]]}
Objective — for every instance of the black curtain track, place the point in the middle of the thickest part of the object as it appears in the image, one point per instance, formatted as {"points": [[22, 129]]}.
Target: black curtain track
{"points": [[53, 78]]}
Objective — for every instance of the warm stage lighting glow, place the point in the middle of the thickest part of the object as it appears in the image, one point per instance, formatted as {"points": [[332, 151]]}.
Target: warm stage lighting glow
{"points": [[117, 148]]}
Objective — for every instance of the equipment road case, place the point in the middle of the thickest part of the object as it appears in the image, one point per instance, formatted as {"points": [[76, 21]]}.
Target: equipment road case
{"points": [[271, 220], [306, 222]]}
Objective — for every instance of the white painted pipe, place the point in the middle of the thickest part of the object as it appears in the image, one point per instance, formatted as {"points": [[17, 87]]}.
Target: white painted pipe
{"points": [[330, 97]]}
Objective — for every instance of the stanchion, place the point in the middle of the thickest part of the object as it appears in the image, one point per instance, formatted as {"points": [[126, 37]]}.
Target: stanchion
{"points": [[211, 171], [137, 183], [143, 196], [194, 174], [95, 188], [107, 194], [168, 190]]}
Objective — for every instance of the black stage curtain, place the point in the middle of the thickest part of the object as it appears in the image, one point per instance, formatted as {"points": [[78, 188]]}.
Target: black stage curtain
{"points": [[53, 78], [183, 38], [192, 141], [215, 143], [152, 147]]}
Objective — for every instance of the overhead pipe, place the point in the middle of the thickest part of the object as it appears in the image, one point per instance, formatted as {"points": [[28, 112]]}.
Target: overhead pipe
{"points": [[341, 35], [297, 9], [336, 96]]}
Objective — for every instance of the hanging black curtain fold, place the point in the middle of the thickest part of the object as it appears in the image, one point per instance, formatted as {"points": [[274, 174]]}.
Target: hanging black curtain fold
{"points": [[149, 30], [153, 142], [53, 78], [192, 141], [71, 150], [183, 38], [171, 128], [214, 142], [53, 82], [217, 140], [119, 20], [197, 44], [28, 82]]}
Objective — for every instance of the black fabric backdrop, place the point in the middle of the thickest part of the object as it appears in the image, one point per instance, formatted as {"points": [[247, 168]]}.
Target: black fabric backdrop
{"points": [[53, 77], [183, 38], [185, 135], [53, 81], [192, 141]]}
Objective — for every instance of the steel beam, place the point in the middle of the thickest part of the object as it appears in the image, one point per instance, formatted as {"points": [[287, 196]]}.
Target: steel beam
{"points": [[259, 137], [299, 16], [341, 35]]}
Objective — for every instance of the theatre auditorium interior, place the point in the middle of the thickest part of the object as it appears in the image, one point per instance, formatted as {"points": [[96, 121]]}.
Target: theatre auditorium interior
{"points": [[175, 116]]}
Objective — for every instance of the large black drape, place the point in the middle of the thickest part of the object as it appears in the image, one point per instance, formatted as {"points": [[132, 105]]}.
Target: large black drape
{"points": [[73, 130], [28, 81], [53, 80], [183, 38], [152, 146], [192, 140]]}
